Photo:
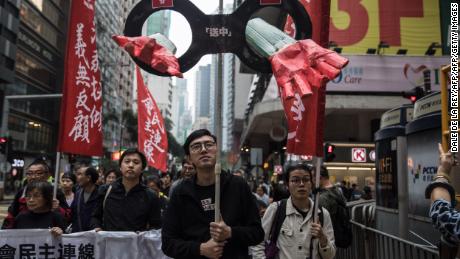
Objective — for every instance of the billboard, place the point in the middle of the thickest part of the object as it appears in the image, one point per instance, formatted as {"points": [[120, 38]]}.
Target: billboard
{"points": [[357, 25], [374, 73]]}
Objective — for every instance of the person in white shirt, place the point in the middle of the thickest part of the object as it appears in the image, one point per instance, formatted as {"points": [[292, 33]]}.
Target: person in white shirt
{"points": [[298, 231]]}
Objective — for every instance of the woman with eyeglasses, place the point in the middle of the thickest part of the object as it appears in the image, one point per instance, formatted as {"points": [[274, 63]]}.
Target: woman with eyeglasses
{"points": [[299, 236], [40, 214], [37, 171]]}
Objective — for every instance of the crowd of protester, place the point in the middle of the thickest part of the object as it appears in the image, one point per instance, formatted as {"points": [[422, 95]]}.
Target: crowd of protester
{"points": [[182, 204]]}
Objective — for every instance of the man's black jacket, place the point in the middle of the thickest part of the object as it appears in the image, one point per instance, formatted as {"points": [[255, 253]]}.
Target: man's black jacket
{"points": [[137, 210], [186, 226], [82, 211]]}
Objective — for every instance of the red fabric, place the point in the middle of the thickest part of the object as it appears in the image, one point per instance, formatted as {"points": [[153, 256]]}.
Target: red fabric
{"points": [[80, 129], [147, 50], [301, 70], [162, 3], [152, 139], [319, 15]]}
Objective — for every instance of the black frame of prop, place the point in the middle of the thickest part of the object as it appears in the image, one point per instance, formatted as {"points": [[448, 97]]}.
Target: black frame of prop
{"points": [[203, 43]]}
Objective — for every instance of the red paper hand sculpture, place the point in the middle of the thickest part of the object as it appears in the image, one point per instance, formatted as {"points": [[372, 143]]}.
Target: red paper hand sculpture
{"points": [[147, 50], [304, 64]]}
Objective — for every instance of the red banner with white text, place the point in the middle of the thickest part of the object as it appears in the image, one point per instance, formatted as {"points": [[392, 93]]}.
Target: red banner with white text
{"points": [[80, 130], [152, 138]]}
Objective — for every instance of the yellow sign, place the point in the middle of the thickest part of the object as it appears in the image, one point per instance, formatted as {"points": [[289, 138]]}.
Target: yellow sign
{"points": [[357, 25]]}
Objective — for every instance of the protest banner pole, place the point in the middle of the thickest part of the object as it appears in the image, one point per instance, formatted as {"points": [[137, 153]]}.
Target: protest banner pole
{"points": [[317, 175], [218, 128], [56, 174]]}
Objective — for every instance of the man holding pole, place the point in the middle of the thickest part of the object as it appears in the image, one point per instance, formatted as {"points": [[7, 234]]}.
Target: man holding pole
{"points": [[188, 227]]}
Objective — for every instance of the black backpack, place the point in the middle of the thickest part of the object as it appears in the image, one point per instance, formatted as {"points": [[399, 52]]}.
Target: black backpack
{"points": [[341, 221], [278, 220]]}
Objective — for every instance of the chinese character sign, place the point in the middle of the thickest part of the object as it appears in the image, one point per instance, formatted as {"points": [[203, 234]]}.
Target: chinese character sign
{"points": [[81, 107], [152, 138], [39, 243]]}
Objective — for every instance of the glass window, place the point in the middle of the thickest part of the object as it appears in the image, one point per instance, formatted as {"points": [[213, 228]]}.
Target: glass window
{"points": [[39, 136], [39, 25], [50, 12], [31, 68]]}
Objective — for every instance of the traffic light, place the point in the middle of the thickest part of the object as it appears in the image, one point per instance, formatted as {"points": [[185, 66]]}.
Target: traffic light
{"points": [[414, 94], [329, 152], [3, 145]]}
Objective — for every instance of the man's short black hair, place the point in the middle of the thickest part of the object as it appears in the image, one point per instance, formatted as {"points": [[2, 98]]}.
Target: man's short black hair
{"points": [[185, 161], [92, 172], [299, 166], [131, 151], [112, 170], [323, 172], [42, 163], [194, 135]]}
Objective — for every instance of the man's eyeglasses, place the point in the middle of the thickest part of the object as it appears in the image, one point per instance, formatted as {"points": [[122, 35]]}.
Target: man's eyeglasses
{"points": [[35, 173], [298, 180], [197, 147]]}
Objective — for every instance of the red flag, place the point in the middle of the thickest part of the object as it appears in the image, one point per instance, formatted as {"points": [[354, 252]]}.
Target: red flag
{"points": [[152, 138], [80, 129], [162, 3]]}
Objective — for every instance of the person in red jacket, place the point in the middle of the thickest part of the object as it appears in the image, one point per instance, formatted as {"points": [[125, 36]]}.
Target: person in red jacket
{"points": [[37, 171]]}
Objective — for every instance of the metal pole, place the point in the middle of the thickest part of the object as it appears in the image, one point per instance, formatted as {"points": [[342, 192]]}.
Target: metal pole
{"points": [[218, 128], [403, 200], [317, 174], [56, 174]]}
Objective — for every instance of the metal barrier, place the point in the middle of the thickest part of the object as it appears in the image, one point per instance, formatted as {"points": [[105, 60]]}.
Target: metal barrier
{"points": [[370, 243]]}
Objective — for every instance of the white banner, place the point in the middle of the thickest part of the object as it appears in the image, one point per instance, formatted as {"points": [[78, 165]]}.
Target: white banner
{"points": [[39, 243]]}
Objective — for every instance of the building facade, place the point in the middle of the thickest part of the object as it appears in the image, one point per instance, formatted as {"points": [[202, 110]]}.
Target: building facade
{"points": [[41, 41], [203, 93], [117, 70]]}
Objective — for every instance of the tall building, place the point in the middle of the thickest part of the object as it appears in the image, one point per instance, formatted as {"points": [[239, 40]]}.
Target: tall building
{"points": [[185, 126], [202, 99], [117, 70], [180, 103], [9, 27], [38, 61]]}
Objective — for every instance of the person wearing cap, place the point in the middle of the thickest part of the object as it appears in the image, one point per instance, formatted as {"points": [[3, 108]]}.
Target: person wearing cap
{"points": [[127, 204]]}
